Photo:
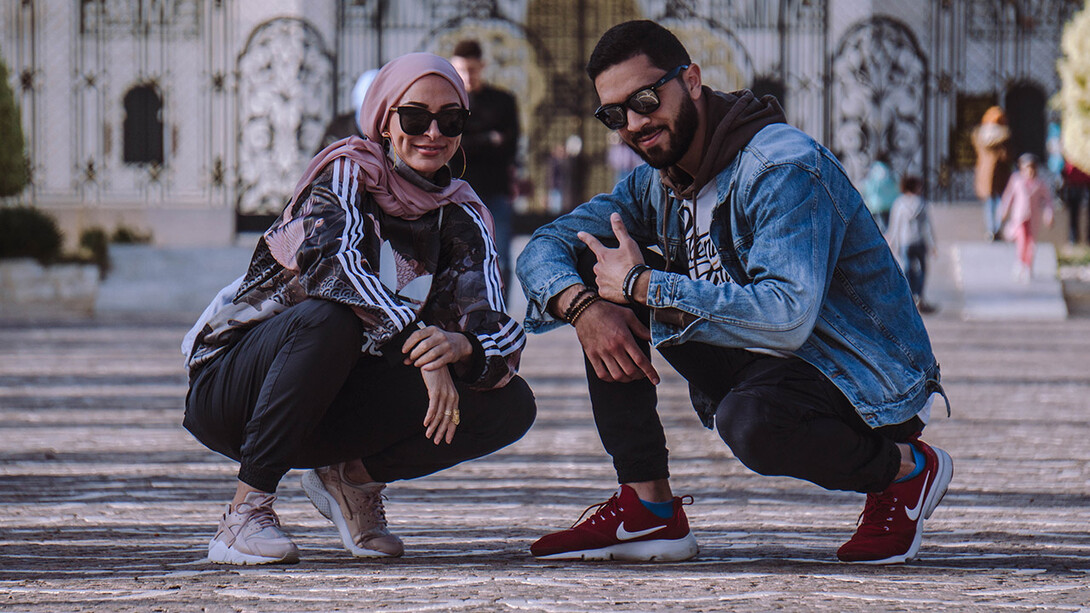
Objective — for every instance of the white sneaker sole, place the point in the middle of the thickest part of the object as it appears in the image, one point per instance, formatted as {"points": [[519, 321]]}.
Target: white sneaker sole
{"points": [[944, 472], [659, 550], [328, 507], [220, 553]]}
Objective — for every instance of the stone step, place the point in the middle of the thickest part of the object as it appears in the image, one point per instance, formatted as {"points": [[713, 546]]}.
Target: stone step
{"points": [[987, 276], [970, 279], [145, 278]]}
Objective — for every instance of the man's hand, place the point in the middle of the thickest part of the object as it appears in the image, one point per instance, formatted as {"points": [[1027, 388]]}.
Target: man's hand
{"points": [[607, 333], [613, 264]]}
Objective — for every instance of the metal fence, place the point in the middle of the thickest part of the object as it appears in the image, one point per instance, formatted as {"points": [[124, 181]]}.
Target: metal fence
{"points": [[243, 99]]}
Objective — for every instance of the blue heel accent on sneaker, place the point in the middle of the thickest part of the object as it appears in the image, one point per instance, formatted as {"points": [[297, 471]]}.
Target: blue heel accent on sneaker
{"points": [[665, 510], [918, 457]]}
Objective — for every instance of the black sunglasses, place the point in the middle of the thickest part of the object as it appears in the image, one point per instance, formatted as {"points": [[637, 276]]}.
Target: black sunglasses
{"points": [[416, 121], [644, 101]]}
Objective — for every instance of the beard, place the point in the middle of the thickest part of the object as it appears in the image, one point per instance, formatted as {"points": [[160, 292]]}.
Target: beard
{"points": [[680, 133]]}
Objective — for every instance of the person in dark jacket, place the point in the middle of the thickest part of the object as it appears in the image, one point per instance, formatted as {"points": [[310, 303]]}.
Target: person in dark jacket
{"points": [[490, 143], [348, 124], [1075, 193]]}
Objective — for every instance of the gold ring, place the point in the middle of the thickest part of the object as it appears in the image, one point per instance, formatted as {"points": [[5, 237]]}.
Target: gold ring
{"points": [[457, 417]]}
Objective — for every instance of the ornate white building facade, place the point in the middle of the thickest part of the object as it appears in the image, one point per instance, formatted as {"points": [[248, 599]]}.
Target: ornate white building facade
{"points": [[194, 118]]}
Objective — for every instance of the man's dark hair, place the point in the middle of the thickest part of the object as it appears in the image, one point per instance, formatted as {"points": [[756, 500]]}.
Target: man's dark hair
{"points": [[469, 49], [911, 184], [631, 38]]}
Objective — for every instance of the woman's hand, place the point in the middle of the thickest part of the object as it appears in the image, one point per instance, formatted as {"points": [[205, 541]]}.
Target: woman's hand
{"points": [[442, 417], [433, 348]]}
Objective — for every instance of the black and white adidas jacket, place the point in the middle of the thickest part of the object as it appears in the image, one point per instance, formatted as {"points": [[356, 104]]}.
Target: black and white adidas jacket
{"points": [[440, 269]]}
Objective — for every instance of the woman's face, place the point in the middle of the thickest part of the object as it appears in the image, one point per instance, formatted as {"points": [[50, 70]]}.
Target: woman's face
{"points": [[428, 152]]}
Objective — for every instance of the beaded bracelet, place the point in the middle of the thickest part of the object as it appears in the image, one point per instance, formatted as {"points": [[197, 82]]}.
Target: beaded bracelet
{"points": [[629, 285], [574, 304], [583, 307], [581, 302]]}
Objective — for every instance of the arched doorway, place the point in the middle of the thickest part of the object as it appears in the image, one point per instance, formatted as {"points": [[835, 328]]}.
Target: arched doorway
{"points": [[567, 145], [1025, 104], [143, 126]]}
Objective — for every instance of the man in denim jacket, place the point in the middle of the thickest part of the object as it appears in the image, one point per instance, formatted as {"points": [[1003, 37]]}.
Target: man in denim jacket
{"points": [[771, 291]]}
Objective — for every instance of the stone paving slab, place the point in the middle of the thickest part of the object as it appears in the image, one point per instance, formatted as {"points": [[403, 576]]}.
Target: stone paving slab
{"points": [[106, 503]]}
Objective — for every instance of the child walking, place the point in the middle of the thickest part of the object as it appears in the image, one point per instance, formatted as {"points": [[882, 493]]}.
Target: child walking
{"points": [[910, 237], [1027, 201]]}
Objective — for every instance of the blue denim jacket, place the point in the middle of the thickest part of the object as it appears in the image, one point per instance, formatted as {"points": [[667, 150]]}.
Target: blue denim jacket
{"points": [[812, 274]]}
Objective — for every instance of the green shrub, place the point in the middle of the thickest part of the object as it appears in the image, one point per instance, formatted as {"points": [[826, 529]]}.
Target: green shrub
{"points": [[125, 235], [13, 163], [27, 232], [94, 247]]}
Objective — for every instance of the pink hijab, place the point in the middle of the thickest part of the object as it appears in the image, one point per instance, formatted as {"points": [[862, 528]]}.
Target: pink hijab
{"points": [[395, 195]]}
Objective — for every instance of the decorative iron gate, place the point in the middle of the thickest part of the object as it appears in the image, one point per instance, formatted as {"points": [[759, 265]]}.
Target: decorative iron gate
{"points": [[537, 49], [231, 144], [878, 96]]}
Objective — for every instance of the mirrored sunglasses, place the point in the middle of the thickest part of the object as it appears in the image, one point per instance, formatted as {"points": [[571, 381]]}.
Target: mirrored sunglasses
{"points": [[644, 101], [416, 121]]}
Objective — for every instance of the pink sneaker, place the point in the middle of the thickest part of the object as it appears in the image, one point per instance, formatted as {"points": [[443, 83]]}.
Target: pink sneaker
{"points": [[891, 525], [621, 528], [251, 534], [356, 510]]}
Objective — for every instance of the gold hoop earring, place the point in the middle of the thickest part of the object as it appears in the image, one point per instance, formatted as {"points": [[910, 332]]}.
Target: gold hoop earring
{"points": [[465, 162]]}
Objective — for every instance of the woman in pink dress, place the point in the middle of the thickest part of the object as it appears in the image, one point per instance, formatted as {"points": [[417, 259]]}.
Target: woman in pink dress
{"points": [[1027, 201]]}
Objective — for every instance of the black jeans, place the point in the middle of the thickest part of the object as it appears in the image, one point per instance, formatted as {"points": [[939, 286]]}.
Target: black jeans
{"points": [[295, 392], [779, 416], [915, 263]]}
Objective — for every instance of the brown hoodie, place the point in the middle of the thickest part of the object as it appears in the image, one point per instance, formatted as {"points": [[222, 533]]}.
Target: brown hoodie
{"points": [[732, 120]]}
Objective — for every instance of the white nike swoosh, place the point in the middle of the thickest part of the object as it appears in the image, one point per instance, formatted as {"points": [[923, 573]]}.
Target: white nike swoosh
{"points": [[625, 535], [914, 513]]}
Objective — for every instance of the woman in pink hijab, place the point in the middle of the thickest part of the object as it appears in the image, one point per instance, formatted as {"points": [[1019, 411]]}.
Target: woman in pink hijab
{"points": [[368, 341]]}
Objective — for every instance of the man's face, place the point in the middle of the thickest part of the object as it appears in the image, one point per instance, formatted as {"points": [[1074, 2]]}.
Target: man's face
{"points": [[470, 70], [663, 137]]}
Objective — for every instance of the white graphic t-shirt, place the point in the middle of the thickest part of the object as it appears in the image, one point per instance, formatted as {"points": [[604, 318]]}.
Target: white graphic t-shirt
{"points": [[696, 222], [704, 263]]}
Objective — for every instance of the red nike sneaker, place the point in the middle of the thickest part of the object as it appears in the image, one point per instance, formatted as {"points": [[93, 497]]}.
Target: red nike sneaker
{"points": [[891, 524], [621, 528]]}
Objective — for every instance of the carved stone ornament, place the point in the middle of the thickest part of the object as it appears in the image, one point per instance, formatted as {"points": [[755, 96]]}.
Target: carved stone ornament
{"points": [[285, 96], [878, 98]]}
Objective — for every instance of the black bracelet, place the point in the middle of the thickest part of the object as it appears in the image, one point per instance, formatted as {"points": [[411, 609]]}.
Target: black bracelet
{"points": [[566, 315], [629, 285], [583, 307], [581, 302], [574, 304]]}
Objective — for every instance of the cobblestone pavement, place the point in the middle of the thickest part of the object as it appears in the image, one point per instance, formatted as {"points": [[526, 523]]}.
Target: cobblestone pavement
{"points": [[106, 503]]}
